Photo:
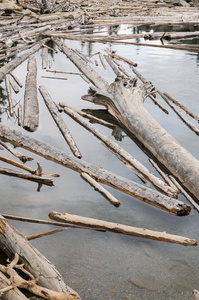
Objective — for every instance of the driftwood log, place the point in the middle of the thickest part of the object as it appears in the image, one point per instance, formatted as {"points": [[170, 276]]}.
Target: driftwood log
{"points": [[12, 242], [59, 121], [125, 101], [123, 184], [31, 105], [120, 228]]}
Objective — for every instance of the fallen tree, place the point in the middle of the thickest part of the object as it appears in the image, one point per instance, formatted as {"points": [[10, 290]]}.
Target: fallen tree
{"points": [[125, 101], [120, 228]]}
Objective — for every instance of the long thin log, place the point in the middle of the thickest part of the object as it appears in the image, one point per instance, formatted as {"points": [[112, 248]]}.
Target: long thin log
{"points": [[143, 193], [31, 104], [12, 242], [187, 196], [93, 119], [120, 228], [7, 68], [47, 222], [20, 114], [180, 114], [15, 173], [22, 157], [157, 182], [100, 189], [16, 79], [191, 114], [10, 101], [59, 121], [41, 234]]}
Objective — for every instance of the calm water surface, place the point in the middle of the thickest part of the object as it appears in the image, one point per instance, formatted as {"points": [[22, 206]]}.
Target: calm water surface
{"points": [[102, 265]]}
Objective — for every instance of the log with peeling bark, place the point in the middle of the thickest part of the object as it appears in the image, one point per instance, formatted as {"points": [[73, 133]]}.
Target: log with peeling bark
{"points": [[120, 228], [123, 184], [126, 104], [31, 104], [12, 242], [10, 66], [59, 121], [115, 148]]}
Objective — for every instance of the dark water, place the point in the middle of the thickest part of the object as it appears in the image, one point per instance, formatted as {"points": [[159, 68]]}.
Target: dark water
{"points": [[102, 265]]}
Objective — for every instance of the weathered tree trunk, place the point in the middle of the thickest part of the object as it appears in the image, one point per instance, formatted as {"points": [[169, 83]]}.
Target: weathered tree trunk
{"points": [[31, 105], [11, 242], [123, 184], [126, 104], [120, 228]]}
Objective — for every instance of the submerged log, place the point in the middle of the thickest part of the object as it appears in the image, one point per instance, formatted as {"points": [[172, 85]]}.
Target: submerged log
{"points": [[31, 105], [123, 184], [12, 242], [126, 103], [120, 228]]}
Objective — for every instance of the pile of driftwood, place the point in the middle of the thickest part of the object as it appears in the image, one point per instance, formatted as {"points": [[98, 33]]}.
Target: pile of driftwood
{"points": [[25, 29]]}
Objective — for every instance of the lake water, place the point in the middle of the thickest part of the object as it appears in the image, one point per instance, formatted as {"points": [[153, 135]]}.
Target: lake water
{"points": [[102, 265]]}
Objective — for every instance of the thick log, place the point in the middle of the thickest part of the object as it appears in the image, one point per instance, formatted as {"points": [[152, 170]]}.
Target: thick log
{"points": [[123, 184], [126, 104], [12, 242], [120, 228], [59, 121], [31, 104]]}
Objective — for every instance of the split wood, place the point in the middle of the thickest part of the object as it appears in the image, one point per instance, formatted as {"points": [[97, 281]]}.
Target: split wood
{"points": [[120, 228]]}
